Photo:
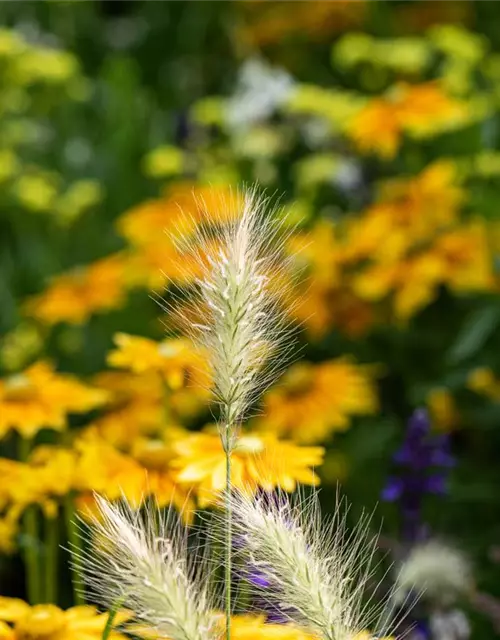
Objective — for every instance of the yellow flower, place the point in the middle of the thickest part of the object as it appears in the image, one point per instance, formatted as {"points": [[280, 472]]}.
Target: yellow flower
{"points": [[334, 107], [254, 627], [313, 401], [259, 460], [455, 41], [9, 528], [188, 203], [49, 474], [175, 359], [324, 298], [40, 398], [244, 626], [21, 345], [467, 257], [146, 471], [425, 203], [48, 622], [483, 381], [425, 108], [376, 129], [416, 109], [80, 196], [136, 406], [37, 191], [164, 161], [75, 296], [444, 413], [9, 164]]}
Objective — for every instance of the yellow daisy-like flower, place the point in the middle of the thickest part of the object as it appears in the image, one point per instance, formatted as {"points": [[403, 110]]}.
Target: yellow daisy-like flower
{"points": [[255, 627], [258, 460], [39, 397], [19, 621], [136, 406], [244, 627], [75, 296], [145, 471], [175, 359], [313, 401]]}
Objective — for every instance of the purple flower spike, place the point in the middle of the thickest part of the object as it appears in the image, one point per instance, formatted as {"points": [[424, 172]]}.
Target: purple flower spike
{"points": [[423, 460]]}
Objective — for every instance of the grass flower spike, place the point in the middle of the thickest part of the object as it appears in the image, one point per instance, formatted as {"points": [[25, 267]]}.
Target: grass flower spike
{"points": [[239, 260], [316, 574], [242, 326], [138, 560]]}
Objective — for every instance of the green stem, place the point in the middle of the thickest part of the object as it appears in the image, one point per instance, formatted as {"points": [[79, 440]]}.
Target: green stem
{"points": [[111, 618], [51, 558], [31, 554], [228, 538], [31, 536], [75, 542]]}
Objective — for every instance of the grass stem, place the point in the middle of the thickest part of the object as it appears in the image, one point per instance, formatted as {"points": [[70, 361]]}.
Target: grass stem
{"points": [[228, 536]]}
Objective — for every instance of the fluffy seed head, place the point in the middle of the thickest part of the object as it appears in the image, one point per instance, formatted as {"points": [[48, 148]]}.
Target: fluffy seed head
{"points": [[437, 571], [316, 574], [240, 261], [138, 560]]}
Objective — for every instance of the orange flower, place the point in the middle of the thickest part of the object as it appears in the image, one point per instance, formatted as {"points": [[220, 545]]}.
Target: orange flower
{"points": [[272, 22], [416, 109], [313, 401], [424, 108], [376, 129], [467, 257], [75, 296], [258, 460], [40, 398], [183, 206]]}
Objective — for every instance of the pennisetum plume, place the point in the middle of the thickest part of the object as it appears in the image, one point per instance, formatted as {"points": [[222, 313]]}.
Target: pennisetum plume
{"points": [[240, 262], [316, 574], [138, 560]]}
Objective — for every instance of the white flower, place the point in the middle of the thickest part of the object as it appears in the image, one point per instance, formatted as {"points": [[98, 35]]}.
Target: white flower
{"points": [[260, 90], [437, 571]]}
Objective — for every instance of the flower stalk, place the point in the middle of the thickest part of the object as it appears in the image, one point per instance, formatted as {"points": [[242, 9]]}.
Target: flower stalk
{"points": [[76, 545], [51, 558]]}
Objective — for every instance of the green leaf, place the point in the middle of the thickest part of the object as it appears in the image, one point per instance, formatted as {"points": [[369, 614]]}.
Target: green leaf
{"points": [[476, 330]]}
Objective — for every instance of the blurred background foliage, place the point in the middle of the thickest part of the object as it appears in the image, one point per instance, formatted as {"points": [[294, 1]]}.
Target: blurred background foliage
{"points": [[377, 126]]}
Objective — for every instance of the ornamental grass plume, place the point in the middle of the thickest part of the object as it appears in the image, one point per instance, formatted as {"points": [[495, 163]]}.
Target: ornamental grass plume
{"points": [[240, 264], [239, 258], [138, 560], [316, 574]]}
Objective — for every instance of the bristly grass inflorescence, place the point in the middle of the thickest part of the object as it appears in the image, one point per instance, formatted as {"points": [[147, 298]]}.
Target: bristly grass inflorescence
{"points": [[239, 261], [138, 559], [316, 572], [241, 266]]}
